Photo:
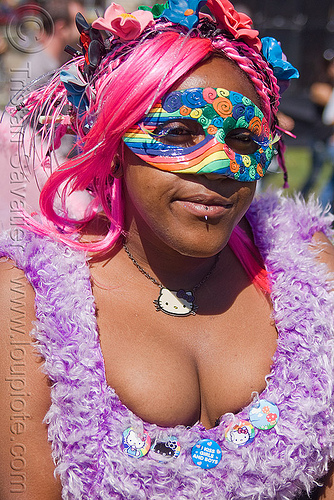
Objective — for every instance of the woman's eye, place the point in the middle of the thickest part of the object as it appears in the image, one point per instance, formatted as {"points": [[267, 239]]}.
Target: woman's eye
{"points": [[242, 141], [184, 134]]}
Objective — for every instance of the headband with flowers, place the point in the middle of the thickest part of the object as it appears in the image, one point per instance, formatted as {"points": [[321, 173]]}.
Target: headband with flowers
{"points": [[187, 13], [123, 27], [183, 12]]}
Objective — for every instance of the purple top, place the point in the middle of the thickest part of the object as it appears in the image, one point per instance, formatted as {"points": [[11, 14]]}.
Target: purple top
{"points": [[86, 418]]}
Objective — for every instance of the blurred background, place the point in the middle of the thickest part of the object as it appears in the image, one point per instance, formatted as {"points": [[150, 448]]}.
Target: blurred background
{"points": [[33, 35], [305, 29]]}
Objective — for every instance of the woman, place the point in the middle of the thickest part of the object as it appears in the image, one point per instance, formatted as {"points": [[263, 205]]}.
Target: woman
{"points": [[158, 355]]}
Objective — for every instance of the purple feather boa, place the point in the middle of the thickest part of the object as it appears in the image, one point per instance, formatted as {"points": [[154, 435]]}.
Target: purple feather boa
{"points": [[86, 419]]}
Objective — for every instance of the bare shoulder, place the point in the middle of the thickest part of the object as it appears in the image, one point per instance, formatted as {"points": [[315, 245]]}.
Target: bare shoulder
{"points": [[325, 253], [327, 491], [323, 249], [26, 467]]}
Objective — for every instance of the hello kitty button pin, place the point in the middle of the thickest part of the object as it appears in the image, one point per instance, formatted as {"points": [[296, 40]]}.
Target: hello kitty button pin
{"points": [[176, 303], [135, 444], [164, 450], [239, 433]]}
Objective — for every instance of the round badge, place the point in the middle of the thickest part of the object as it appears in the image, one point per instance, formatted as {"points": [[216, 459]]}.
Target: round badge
{"points": [[206, 453], [135, 444], [165, 450], [240, 433], [264, 415]]}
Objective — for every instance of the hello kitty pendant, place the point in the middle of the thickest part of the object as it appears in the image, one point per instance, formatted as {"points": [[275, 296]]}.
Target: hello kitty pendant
{"points": [[176, 303]]}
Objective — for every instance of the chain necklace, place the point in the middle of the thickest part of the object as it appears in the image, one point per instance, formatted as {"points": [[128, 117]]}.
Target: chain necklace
{"points": [[173, 302]]}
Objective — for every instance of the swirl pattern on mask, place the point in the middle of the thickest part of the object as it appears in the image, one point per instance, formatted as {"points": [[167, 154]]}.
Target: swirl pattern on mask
{"points": [[172, 102], [238, 110], [193, 98], [209, 94], [223, 106]]}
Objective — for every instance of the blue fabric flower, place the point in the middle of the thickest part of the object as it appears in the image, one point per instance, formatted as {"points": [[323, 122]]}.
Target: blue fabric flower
{"points": [[75, 89], [183, 12], [272, 51]]}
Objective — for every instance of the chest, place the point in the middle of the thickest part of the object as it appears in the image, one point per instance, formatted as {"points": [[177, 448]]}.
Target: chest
{"points": [[172, 371]]}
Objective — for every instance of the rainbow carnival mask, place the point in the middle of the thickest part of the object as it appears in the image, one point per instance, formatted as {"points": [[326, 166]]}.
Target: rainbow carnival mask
{"points": [[198, 131]]}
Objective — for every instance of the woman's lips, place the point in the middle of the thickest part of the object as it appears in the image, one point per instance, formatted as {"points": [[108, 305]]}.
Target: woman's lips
{"points": [[206, 207]]}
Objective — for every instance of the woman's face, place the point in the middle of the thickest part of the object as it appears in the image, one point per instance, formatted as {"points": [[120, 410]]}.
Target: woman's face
{"points": [[191, 214]]}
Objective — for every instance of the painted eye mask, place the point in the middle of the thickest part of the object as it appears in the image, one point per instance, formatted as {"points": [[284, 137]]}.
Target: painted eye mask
{"points": [[199, 131]]}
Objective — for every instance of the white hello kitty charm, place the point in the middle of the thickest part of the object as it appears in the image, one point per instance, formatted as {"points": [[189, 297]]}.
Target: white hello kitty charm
{"points": [[179, 303], [175, 303]]}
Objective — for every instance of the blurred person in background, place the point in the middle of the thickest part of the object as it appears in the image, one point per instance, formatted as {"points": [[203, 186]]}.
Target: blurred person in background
{"points": [[322, 133], [3, 71], [326, 96], [56, 23], [58, 30]]}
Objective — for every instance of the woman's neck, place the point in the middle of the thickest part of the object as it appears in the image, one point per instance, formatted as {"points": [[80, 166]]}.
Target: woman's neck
{"points": [[168, 266]]}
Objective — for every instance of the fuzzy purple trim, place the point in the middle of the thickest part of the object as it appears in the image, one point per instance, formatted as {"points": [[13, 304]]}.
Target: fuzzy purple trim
{"points": [[86, 418]]}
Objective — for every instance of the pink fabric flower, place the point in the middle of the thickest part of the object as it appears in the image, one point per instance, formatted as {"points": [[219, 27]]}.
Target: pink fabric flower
{"points": [[237, 23], [125, 26]]}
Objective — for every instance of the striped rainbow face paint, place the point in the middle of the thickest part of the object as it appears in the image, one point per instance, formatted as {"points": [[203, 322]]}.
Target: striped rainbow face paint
{"points": [[200, 131]]}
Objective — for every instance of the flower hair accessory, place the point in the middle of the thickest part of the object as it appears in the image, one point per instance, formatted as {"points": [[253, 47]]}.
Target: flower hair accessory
{"points": [[156, 10], [92, 45], [123, 25], [76, 89], [283, 70], [237, 23], [184, 12]]}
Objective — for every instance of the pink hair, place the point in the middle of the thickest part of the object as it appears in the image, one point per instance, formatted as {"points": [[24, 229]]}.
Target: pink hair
{"points": [[126, 86], [123, 95]]}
